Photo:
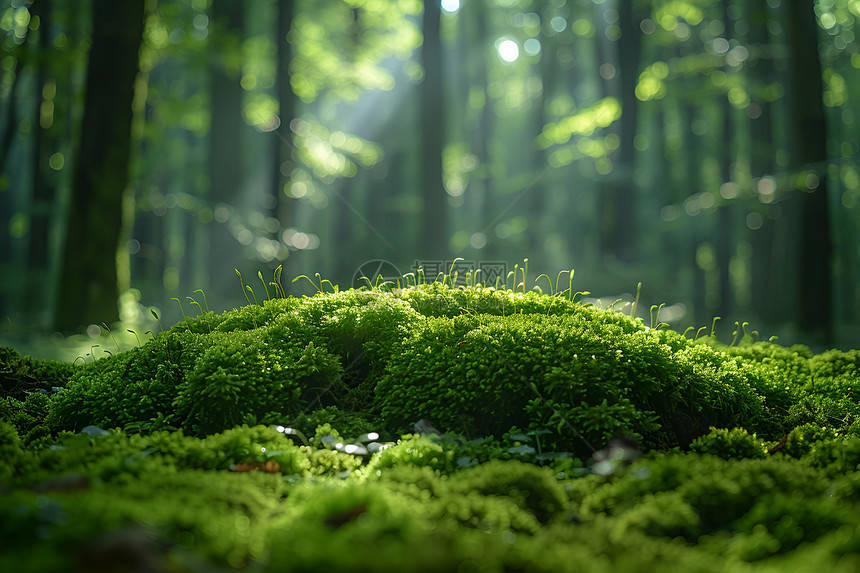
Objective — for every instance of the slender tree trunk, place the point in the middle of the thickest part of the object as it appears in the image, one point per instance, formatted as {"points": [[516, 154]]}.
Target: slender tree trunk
{"points": [[725, 212], [225, 149], [434, 228], [695, 238], [808, 138], [88, 281], [763, 269], [346, 192], [484, 133], [283, 144], [11, 121], [618, 196], [7, 208], [42, 204], [537, 196]]}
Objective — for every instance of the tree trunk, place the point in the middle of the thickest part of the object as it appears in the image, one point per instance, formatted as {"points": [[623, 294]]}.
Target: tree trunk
{"points": [[808, 138], [763, 269], [283, 144], [225, 148], [725, 212], [483, 134], [8, 291], [42, 204], [346, 193], [539, 192], [696, 237], [88, 281], [617, 194], [434, 233]]}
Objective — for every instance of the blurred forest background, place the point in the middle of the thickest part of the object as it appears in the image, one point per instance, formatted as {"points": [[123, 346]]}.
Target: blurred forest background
{"points": [[707, 148]]}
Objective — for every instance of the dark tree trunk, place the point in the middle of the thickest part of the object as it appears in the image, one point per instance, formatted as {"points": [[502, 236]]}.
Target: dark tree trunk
{"points": [[537, 203], [42, 204], [10, 122], [88, 280], [225, 149], [808, 138], [10, 130], [725, 212], [696, 236], [283, 144], [434, 229], [485, 128], [346, 192], [617, 194], [763, 268]]}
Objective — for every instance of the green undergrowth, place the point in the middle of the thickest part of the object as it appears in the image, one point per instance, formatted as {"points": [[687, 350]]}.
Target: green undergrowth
{"points": [[432, 428]]}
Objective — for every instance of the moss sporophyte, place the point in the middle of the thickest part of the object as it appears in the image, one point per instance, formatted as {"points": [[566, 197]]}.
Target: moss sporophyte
{"points": [[423, 426]]}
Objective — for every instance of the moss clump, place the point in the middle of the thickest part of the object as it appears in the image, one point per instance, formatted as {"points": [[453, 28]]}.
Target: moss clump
{"points": [[274, 437], [21, 375], [587, 378], [735, 444]]}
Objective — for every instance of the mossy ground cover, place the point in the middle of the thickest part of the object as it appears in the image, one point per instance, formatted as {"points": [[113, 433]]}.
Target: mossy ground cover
{"points": [[431, 428]]}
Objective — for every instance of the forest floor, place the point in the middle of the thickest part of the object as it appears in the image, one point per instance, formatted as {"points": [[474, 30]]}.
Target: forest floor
{"points": [[431, 428]]}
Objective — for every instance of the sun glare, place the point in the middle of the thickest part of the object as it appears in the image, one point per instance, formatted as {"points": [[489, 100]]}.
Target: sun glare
{"points": [[450, 6], [509, 51]]}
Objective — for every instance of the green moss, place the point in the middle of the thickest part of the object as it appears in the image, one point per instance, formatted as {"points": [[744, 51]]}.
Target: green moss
{"points": [[480, 375], [22, 375], [523, 388], [729, 444]]}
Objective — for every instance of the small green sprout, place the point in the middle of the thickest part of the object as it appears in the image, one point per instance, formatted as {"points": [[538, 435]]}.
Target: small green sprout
{"points": [[179, 302], [106, 327], [205, 304], [251, 290], [714, 325], [318, 288], [193, 301], [265, 286], [549, 282], [242, 282], [635, 305]]}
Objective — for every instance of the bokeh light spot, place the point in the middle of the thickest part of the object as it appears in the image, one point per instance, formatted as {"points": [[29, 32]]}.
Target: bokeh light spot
{"points": [[57, 161], [509, 51], [450, 6], [558, 24], [532, 46], [754, 221]]}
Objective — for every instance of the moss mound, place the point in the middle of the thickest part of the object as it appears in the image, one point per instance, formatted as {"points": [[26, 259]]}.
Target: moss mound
{"points": [[549, 436], [473, 361]]}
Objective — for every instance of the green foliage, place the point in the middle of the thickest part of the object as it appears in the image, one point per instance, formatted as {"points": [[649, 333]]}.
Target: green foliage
{"points": [[836, 456], [736, 443], [11, 454], [28, 416], [242, 376], [523, 387], [779, 523], [584, 374], [198, 495], [530, 487], [691, 496], [22, 375], [349, 424], [413, 450], [802, 439]]}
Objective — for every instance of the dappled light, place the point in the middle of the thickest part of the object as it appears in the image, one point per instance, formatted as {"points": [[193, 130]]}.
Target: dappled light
{"points": [[429, 285]]}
